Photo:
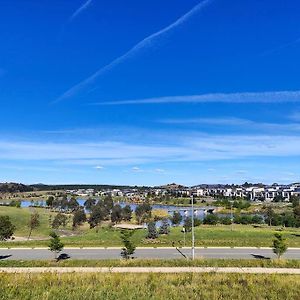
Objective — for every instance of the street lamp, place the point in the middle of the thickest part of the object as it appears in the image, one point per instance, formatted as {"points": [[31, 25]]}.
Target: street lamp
{"points": [[231, 216], [193, 231]]}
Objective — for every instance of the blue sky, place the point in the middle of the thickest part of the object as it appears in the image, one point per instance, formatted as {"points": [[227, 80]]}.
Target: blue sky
{"points": [[150, 92]]}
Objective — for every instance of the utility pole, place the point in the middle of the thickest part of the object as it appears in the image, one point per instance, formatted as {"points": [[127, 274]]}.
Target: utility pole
{"points": [[193, 231]]}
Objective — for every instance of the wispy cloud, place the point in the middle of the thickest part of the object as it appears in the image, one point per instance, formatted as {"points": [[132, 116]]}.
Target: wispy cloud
{"points": [[84, 6], [146, 42], [244, 97], [187, 149], [236, 122]]}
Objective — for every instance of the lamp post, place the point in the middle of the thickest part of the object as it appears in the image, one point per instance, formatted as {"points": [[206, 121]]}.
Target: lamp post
{"points": [[193, 231], [231, 215]]}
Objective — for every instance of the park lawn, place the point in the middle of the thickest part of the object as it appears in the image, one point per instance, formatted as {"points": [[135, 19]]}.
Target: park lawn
{"points": [[149, 286], [206, 235], [21, 216], [264, 263]]}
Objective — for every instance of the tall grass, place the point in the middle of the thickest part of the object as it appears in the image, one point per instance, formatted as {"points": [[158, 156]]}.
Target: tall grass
{"points": [[148, 286]]}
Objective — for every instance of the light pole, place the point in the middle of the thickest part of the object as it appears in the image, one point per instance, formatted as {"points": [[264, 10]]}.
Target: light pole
{"points": [[231, 215], [193, 231]]}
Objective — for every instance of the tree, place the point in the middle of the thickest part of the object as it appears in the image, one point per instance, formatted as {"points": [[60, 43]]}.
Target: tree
{"points": [[6, 228], [116, 214], [50, 201], [164, 228], [108, 202], [73, 204], [63, 203], [97, 216], [126, 213], [143, 212], [177, 218], [33, 223], [79, 217], [296, 211], [55, 245], [152, 232], [129, 247], [279, 245], [187, 225], [89, 204], [59, 220], [269, 215], [295, 200]]}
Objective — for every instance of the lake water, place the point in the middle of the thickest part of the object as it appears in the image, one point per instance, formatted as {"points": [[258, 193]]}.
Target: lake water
{"points": [[184, 211]]}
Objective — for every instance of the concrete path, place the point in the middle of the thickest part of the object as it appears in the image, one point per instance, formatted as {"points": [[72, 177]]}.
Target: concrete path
{"points": [[153, 270], [150, 253]]}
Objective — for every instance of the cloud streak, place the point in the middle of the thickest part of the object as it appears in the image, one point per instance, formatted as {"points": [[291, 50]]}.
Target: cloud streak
{"points": [[187, 149], [83, 7], [245, 97], [146, 42], [236, 122]]}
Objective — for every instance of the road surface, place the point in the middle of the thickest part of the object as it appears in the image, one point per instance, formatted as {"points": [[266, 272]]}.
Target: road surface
{"points": [[150, 253]]}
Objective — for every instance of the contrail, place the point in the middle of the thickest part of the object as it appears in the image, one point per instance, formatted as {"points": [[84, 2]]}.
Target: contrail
{"points": [[80, 9], [252, 97], [146, 42]]}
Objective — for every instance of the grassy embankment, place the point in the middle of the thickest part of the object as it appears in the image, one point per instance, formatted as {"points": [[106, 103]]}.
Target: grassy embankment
{"points": [[220, 235], [266, 263], [148, 286]]}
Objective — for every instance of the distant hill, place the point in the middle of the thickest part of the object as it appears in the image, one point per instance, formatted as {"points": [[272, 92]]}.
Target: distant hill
{"points": [[11, 187]]}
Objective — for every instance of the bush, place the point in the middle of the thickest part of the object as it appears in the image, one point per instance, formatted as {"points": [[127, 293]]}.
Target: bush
{"points": [[225, 221], [211, 220]]}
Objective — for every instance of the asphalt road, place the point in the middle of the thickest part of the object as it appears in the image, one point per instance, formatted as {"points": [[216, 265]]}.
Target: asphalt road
{"points": [[156, 253]]}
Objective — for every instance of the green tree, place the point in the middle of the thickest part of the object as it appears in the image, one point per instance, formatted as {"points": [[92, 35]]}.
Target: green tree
{"points": [[143, 212], [97, 216], [295, 200], [79, 217], [108, 202], [164, 228], [279, 245], [187, 225], [126, 213], [152, 232], [116, 214], [6, 228], [270, 214], [59, 220], [34, 222], [89, 204], [50, 201], [55, 244], [73, 204], [177, 218], [129, 247]]}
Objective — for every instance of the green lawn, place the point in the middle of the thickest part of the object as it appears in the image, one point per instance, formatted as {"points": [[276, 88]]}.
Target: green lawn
{"points": [[220, 235], [21, 216], [149, 286], [266, 263]]}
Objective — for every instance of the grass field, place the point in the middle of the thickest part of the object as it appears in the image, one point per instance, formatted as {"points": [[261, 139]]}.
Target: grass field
{"points": [[148, 286], [282, 263], [220, 235]]}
